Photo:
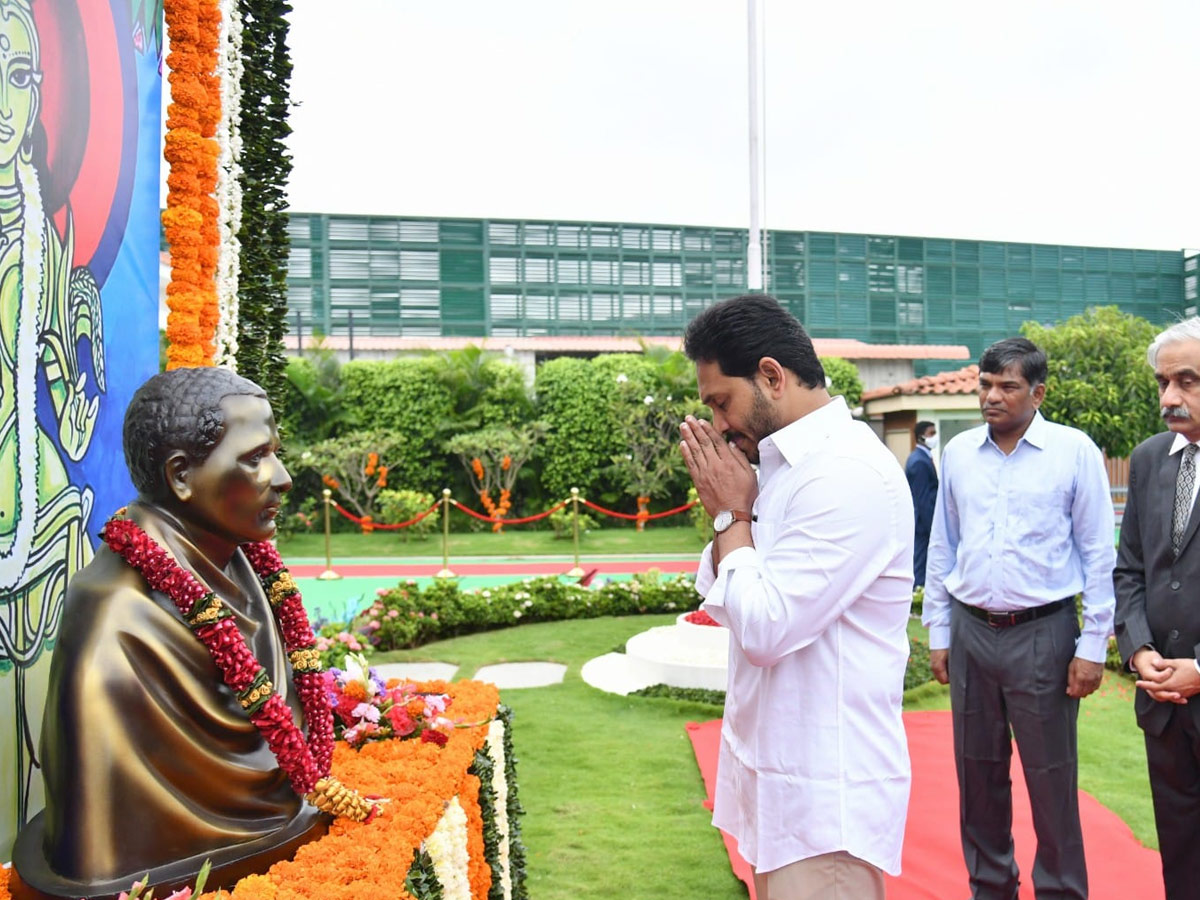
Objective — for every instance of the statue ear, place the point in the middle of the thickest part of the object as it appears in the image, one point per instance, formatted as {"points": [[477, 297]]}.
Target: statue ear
{"points": [[177, 472]]}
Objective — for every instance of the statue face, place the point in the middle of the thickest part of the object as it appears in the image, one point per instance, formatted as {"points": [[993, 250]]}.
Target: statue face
{"points": [[17, 97], [236, 492]]}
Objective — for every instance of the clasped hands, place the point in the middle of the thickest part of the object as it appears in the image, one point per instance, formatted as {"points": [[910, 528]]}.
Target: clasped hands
{"points": [[720, 471], [1166, 680]]}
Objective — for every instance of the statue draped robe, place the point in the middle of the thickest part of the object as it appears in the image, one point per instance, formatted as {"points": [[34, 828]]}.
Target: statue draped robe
{"points": [[150, 763]]}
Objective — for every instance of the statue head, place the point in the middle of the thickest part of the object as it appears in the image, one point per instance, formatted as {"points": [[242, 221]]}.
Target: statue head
{"points": [[20, 71], [203, 443]]}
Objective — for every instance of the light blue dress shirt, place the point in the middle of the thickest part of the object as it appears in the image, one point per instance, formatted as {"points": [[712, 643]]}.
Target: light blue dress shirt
{"points": [[1018, 531]]}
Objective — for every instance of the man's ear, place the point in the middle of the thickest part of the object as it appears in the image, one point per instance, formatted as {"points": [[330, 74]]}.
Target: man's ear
{"points": [[178, 472], [1039, 394], [774, 374]]}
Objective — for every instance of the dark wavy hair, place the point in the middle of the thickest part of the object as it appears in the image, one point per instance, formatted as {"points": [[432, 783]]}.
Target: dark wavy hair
{"points": [[177, 410], [1003, 354], [738, 332]]}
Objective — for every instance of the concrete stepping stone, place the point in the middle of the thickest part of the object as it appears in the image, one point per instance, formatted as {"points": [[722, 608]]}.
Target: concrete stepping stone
{"points": [[417, 671], [522, 674]]}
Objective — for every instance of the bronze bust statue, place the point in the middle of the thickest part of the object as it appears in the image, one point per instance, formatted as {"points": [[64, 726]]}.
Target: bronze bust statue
{"points": [[151, 764]]}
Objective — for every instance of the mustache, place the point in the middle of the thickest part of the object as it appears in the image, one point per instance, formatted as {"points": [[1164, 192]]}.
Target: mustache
{"points": [[1175, 412]]}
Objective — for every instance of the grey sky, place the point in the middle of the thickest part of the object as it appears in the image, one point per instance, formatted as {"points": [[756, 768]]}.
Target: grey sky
{"points": [[1062, 122]]}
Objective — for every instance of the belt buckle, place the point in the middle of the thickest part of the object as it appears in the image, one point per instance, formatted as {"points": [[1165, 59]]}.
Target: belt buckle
{"points": [[1001, 619]]}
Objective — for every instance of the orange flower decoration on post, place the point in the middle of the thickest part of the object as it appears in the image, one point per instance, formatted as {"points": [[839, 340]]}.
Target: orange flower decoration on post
{"points": [[477, 468], [643, 512], [190, 219]]}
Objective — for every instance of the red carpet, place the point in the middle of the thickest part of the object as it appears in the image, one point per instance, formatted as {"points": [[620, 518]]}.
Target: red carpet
{"points": [[1119, 868]]}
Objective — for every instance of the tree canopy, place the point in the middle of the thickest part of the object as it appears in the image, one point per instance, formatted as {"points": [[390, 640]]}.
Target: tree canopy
{"points": [[1098, 380]]}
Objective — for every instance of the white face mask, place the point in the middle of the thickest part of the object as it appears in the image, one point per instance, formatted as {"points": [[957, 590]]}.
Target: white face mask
{"points": [[930, 441]]}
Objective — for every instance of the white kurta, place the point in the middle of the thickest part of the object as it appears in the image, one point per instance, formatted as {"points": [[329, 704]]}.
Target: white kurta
{"points": [[813, 752]]}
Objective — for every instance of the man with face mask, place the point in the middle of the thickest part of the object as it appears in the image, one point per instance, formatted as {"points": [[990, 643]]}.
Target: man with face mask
{"points": [[923, 482], [810, 568], [1023, 523]]}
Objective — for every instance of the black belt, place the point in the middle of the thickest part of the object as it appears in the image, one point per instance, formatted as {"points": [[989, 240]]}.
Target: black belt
{"points": [[1017, 617]]}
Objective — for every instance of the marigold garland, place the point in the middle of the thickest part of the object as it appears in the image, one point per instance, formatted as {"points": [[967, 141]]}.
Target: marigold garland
{"points": [[190, 220]]}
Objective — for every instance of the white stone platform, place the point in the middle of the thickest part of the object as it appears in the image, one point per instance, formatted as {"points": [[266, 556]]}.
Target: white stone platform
{"points": [[522, 674], [417, 671], [681, 655]]}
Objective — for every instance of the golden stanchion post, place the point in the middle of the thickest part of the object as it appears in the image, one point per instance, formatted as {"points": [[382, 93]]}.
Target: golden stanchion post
{"points": [[328, 574], [576, 572], [445, 572]]}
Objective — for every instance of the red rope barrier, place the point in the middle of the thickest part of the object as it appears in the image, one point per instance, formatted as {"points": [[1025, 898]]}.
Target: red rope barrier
{"points": [[358, 521], [634, 517], [482, 518]]}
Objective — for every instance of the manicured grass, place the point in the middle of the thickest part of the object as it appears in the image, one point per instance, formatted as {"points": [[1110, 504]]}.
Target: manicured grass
{"points": [[610, 784], [516, 541]]}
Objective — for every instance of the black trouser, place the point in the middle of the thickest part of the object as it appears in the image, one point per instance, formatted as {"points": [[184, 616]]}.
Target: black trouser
{"points": [[1174, 762], [1005, 683]]}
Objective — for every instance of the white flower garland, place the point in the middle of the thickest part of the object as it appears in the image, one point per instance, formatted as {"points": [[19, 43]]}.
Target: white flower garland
{"points": [[32, 302], [229, 190], [447, 847], [495, 747]]}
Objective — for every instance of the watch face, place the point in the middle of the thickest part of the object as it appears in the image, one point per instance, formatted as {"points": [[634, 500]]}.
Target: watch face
{"points": [[722, 520]]}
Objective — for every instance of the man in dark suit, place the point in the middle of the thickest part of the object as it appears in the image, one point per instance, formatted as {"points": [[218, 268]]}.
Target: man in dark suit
{"points": [[1158, 611], [923, 482]]}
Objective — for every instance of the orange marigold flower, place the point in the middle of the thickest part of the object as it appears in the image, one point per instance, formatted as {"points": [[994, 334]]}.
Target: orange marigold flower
{"points": [[506, 463], [477, 467]]}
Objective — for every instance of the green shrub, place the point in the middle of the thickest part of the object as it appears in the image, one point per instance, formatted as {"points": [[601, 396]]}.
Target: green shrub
{"points": [[402, 506], [408, 397], [407, 616], [918, 670], [563, 524]]}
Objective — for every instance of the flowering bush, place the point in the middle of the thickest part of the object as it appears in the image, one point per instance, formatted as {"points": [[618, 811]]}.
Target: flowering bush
{"points": [[365, 709], [407, 616], [334, 642]]}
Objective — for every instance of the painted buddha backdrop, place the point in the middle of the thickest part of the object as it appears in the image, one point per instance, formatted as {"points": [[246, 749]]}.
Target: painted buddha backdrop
{"points": [[80, 88]]}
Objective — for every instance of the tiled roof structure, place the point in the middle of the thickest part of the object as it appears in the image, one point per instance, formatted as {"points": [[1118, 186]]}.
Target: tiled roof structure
{"points": [[962, 381]]}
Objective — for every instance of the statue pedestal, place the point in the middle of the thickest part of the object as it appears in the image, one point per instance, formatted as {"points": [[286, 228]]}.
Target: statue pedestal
{"points": [[32, 879]]}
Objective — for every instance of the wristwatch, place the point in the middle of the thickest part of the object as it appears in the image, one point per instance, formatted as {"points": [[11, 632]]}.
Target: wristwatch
{"points": [[726, 517]]}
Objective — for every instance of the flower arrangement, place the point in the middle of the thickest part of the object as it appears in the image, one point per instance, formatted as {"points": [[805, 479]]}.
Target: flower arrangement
{"points": [[396, 855], [135, 892], [368, 710]]}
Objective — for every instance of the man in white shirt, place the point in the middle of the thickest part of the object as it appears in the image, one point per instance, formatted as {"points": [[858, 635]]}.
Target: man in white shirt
{"points": [[1023, 523], [811, 570]]}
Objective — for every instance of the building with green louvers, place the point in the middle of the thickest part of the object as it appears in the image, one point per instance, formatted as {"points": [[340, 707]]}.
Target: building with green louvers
{"points": [[425, 277]]}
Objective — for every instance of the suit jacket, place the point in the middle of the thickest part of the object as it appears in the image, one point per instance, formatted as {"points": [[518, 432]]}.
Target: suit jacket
{"points": [[923, 482], [1158, 595]]}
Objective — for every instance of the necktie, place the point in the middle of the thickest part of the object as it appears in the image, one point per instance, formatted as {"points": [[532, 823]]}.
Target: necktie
{"points": [[1183, 496]]}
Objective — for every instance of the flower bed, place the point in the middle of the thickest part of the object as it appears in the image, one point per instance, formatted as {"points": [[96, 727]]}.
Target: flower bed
{"points": [[409, 616], [450, 828]]}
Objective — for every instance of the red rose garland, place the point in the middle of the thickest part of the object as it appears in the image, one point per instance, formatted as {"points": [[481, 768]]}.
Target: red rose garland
{"points": [[305, 762]]}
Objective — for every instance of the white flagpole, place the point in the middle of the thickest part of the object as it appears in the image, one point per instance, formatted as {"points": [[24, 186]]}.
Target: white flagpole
{"points": [[754, 249]]}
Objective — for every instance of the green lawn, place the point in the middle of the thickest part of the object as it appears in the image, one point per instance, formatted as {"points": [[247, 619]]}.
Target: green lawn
{"points": [[613, 795], [514, 542]]}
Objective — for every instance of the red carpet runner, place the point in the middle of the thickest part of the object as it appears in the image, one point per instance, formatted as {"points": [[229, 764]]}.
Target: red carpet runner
{"points": [[1119, 868]]}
